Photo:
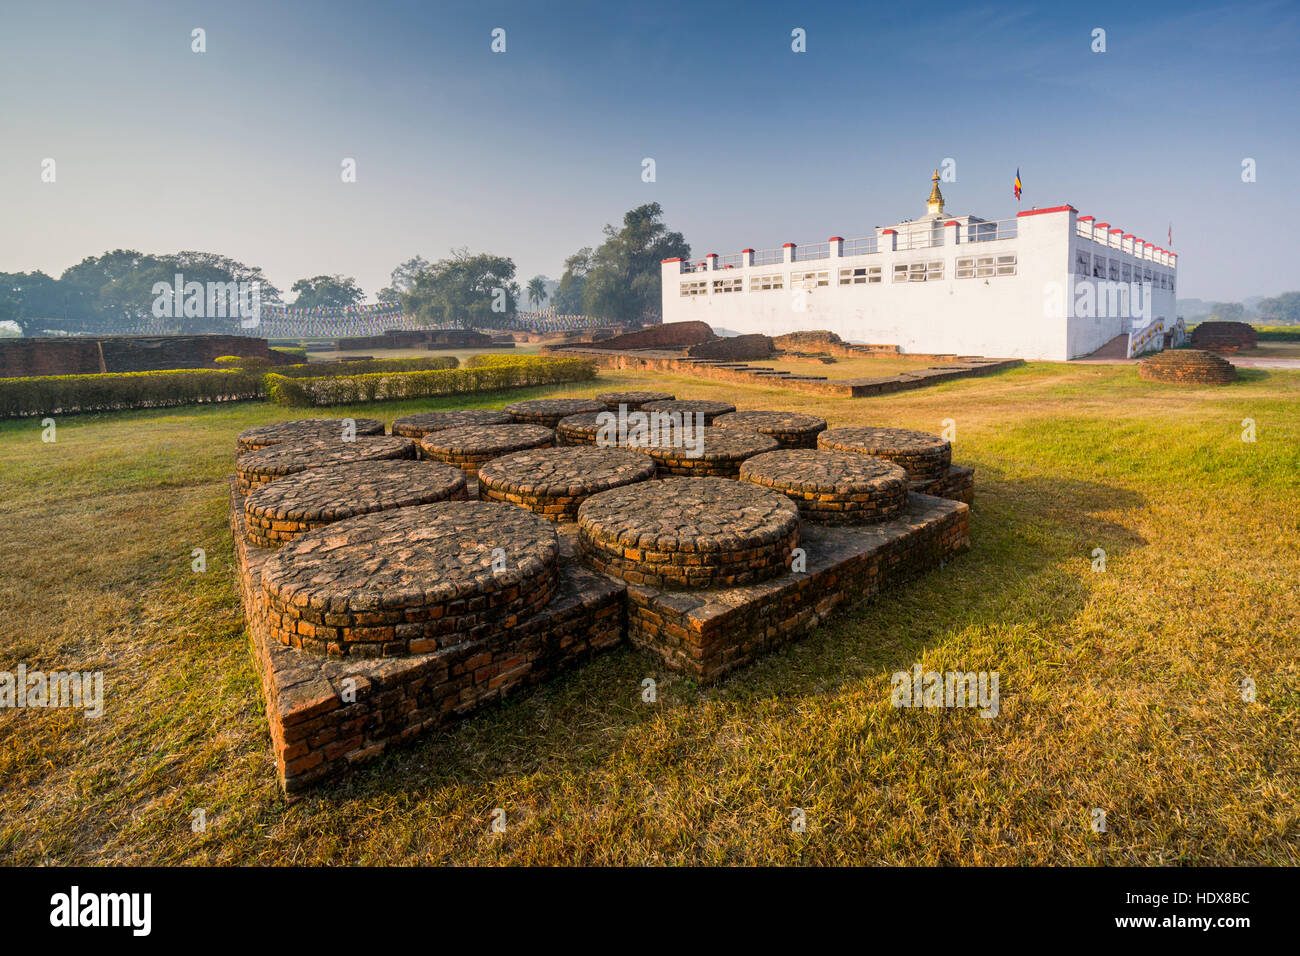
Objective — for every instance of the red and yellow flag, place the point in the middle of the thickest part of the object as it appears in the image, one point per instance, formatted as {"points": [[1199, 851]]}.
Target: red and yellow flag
{"points": [[1016, 186]]}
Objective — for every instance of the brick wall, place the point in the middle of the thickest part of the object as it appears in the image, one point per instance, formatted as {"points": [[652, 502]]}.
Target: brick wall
{"points": [[737, 348], [671, 335], [83, 355], [1224, 336]]}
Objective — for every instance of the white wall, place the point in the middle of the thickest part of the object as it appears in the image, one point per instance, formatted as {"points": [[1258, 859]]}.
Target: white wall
{"points": [[998, 316]]}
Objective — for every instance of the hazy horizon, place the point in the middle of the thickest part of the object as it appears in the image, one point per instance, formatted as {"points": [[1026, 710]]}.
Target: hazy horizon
{"points": [[530, 152]]}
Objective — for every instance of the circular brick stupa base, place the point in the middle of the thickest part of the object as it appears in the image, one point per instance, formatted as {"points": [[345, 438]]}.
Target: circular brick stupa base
{"points": [[923, 456], [553, 482], [581, 429], [417, 426], [710, 410], [285, 509], [688, 533], [470, 447], [832, 487], [721, 451], [290, 457], [632, 401], [1187, 367], [411, 580], [264, 436], [791, 429], [549, 411]]}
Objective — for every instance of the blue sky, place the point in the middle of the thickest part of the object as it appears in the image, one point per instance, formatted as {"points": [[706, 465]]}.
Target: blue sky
{"points": [[530, 152]]}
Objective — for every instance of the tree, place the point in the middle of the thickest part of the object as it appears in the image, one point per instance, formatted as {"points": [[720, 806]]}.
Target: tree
{"points": [[567, 297], [1227, 311], [472, 291], [103, 293], [402, 279], [219, 268], [329, 292], [537, 292], [115, 291], [623, 281], [1281, 310], [26, 298]]}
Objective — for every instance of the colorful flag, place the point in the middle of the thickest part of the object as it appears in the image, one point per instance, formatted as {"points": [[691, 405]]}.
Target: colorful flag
{"points": [[1017, 183], [1171, 234]]}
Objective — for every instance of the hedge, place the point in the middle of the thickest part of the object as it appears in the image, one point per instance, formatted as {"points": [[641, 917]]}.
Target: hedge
{"points": [[1277, 333], [496, 360], [367, 366], [242, 361], [110, 391], [517, 372]]}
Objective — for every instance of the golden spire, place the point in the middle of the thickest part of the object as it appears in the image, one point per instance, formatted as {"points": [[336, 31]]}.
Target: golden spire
{"points": [[935, 203]]}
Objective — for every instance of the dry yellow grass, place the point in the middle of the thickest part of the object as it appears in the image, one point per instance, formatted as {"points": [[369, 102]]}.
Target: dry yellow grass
{"points": [[1119, 690]]}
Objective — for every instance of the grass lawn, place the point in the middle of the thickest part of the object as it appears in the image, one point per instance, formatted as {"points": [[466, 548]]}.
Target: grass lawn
{"points": [[1120, 690]]}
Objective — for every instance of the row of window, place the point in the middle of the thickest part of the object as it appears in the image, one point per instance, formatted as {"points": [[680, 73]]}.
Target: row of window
{"points": [[1118, 270], [969, 267], [979, 267]]}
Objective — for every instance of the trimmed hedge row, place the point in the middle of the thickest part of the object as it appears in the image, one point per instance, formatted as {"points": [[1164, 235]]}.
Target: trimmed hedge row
{"points": [[496, 360], [242, 361], [1278, 333], [517, 372], [111, 391], [368, 366]]}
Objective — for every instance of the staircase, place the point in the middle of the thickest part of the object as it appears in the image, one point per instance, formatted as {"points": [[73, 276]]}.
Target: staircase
{"points": [[1116, 350]]}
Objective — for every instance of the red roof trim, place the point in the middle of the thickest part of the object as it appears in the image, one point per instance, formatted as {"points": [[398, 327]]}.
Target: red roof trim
{"points": [[1040, 212], [678, 259], [835, 239], [743, 251], [1087, 218], [788, 245], [889, 232]]}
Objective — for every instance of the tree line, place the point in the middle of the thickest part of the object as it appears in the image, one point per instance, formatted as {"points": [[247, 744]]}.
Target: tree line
{"points": [[619, 279]]}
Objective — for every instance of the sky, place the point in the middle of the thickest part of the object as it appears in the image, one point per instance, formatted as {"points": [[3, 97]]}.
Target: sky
{"points": [[530, 152]]}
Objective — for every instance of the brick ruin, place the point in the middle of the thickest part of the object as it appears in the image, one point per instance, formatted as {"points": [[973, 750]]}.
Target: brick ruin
{"points": [[670, 335], [386, 594], [1187, 367], [1224, 336], [735, 348], [89, 355]]}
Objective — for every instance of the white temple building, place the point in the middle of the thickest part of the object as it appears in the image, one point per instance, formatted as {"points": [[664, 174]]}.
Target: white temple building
{"points": [[1047, 284]]}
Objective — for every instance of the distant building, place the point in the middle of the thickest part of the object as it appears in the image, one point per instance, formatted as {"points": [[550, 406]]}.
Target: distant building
{"points": [[1047, 284]]}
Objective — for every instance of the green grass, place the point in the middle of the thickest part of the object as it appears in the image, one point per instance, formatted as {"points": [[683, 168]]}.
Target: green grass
{"points": [[1118, 690]]}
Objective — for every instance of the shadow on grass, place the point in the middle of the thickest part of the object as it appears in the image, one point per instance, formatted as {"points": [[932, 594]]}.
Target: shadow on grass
{"points": [[1032, 542]]}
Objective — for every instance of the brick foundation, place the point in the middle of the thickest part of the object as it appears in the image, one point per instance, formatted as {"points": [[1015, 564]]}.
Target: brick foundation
{"points": [[328, 714], [318, 733], [664, 361], [706, 634]]}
